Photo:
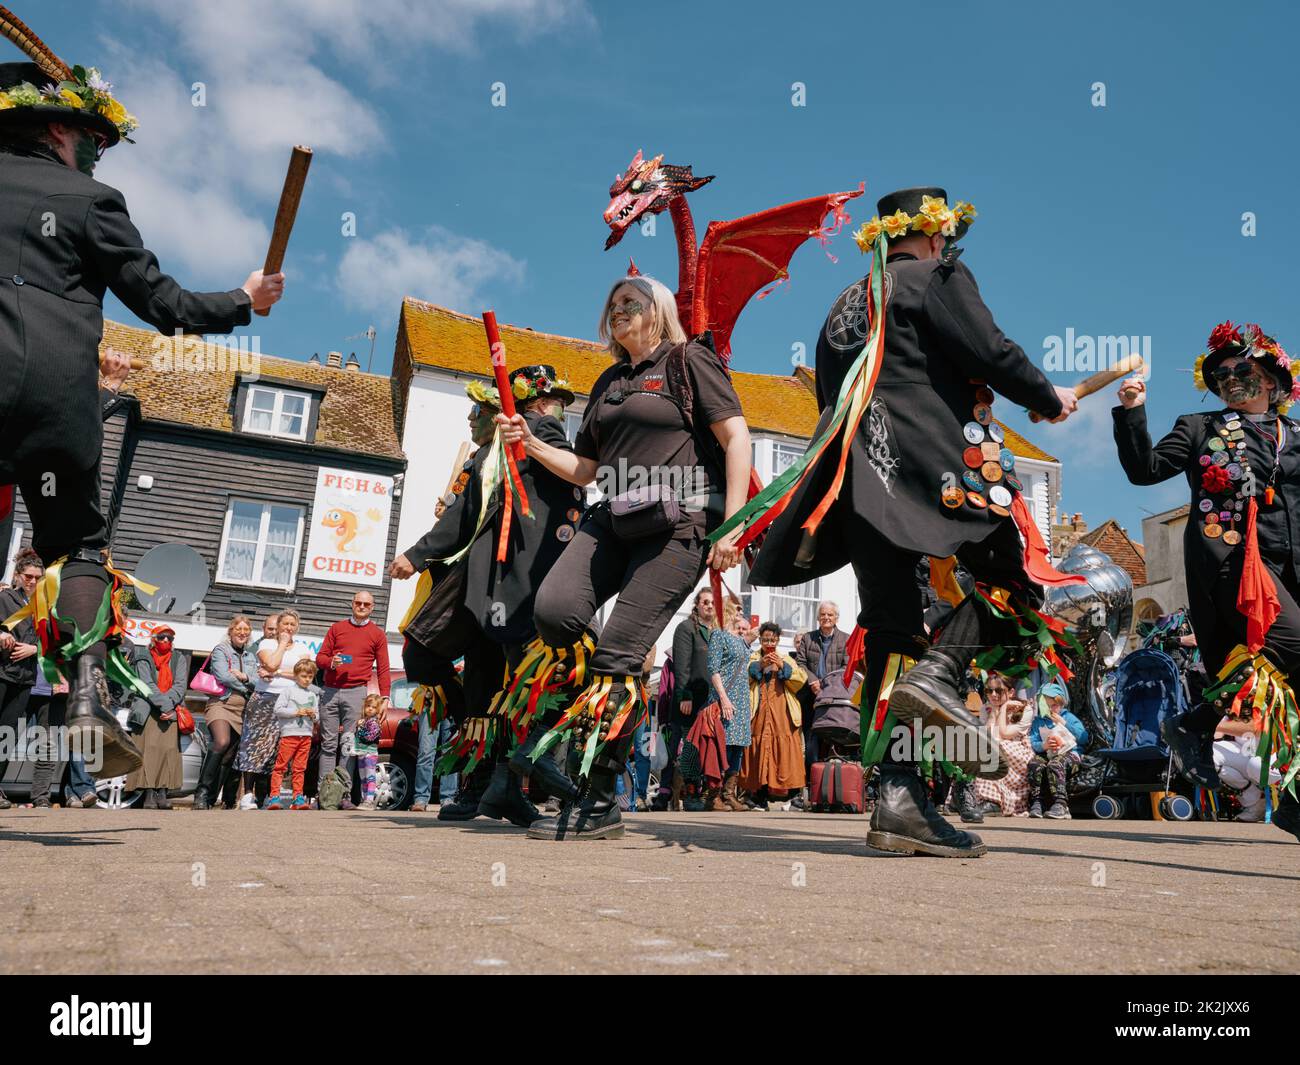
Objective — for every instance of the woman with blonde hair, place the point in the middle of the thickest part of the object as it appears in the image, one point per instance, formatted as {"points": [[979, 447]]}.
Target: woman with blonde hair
{"points": [[233, 664], [259, 742], [664, 438]]}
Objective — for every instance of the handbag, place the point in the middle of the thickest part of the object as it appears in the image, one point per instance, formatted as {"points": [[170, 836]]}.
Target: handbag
{"points": [[184, 720], [205, 682], [650, 510]]}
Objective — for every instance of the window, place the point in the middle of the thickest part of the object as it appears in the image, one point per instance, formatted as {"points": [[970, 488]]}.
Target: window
{"points": [[260, 544], [572, 422], [276, 412], [794, 608], [784, 456]]}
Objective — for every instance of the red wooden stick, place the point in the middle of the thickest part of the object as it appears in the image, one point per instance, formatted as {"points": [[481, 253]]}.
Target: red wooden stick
{"points": [[497, 350]]}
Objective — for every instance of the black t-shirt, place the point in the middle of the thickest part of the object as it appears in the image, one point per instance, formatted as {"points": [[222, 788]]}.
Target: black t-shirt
{"points": [[635, 429]]}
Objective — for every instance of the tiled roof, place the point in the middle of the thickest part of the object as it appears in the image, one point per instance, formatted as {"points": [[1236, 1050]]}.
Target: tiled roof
{"points": [[438, 337], [1111, 539], [356, 414], [435, 336]]}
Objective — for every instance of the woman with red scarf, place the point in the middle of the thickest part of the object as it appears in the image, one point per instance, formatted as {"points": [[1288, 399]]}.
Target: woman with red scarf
{"points": [[166, 671], [1242, 557]]}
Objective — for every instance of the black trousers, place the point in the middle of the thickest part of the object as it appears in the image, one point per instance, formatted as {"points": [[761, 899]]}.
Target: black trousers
{"points": [[13, 712], [480, 679], [651, 577], [65, 511], [893, 604]]}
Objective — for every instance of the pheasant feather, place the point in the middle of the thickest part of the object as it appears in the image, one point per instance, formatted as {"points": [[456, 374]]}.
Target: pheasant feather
{"points": [[36, 50]]}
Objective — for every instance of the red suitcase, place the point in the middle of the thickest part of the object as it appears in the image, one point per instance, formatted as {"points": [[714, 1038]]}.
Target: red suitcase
{"points": [[837, 787]]}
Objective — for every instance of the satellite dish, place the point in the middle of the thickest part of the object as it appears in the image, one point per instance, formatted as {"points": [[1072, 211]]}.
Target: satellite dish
{"points": [[180, 574]]}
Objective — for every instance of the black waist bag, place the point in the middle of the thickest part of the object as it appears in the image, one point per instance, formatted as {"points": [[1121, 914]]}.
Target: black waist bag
{"points": [[651, 510]]}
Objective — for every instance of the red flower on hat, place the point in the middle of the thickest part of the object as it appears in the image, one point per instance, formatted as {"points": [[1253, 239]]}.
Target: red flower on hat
{"points": [[1215, 479], [1224, 333], [543, 384]]}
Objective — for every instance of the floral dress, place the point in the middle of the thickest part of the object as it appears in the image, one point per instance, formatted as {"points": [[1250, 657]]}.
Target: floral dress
{"points": [[729, 657]]}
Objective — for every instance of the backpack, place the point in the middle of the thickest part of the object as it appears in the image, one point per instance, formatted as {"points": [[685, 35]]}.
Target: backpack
{"points": [[329, 796]]}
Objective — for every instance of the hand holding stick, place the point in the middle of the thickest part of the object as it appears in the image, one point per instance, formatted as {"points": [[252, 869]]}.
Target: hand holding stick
{"points": [[294, 180], [1098, 381]]}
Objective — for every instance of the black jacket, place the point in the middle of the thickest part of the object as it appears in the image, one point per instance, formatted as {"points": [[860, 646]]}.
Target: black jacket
{"points": [[690, 663], [22, 674], [66, 239], [1205, 558], [500, 595], [940, 339]]}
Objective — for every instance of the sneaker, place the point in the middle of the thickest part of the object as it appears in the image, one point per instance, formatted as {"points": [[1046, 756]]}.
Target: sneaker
{"points": [[37, 804], [1059, 811], [369, 804], [300, 803], [347, 804], [73, 802], [89, 799], [5, 804], [274, 804], [800, 802], [248, 802], [1036, 809], [419, 807]]}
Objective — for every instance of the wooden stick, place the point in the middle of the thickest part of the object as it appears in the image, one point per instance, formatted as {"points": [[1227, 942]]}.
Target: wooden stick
{"points": [[1096, 382], [294, 180], [137, 363]]}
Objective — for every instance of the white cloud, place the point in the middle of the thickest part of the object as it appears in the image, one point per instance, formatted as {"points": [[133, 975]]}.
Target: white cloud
{"points": [[202, 182], [441, 267]]}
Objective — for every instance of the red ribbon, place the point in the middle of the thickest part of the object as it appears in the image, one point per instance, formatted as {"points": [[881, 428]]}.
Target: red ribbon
{"points": [[1257, 594], [1035, 554], [854, 653]]}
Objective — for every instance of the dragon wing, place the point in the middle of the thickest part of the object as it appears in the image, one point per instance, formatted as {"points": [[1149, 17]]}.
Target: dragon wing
{"points": [[739, 257]]}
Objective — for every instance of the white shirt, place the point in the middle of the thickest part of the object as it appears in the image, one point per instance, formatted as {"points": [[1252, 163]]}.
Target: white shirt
{"points": [[293, 654]]}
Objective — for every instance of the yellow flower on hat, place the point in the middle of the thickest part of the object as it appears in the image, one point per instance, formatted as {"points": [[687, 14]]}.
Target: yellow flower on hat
{"points": [[964, 211], [897, 223], [114, 112], [70, 98], [5, 102], [1198, 377], [867, 234], [520, 388], [935, 217]]}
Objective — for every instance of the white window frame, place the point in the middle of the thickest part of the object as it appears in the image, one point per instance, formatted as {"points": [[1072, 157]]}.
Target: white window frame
{"points": [[276, 412], [260, 557]]}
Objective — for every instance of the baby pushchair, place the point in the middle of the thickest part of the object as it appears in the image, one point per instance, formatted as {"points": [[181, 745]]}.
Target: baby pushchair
{"points": [[1149, 687]]}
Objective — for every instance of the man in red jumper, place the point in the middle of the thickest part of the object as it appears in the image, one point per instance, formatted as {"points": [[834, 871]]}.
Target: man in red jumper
{"points": [[353, 648]]}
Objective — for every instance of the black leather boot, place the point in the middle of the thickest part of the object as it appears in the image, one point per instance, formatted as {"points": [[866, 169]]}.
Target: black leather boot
{"points": [[1192, 751], [906, 822], [94, 726], [928, 693], [544, 770], [971, 810], [1287, 814], [505, 799], [464, 807], [594, 815], [205, 792]]}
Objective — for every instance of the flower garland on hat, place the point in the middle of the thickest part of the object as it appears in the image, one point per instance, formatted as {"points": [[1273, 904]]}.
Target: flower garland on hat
{"points": [[1256, 344], [483, 393], [86, 91], [935, 216], [525, 389]]}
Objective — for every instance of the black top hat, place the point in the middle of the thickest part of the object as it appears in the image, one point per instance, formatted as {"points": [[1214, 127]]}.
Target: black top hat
{"points": [[14, 74], [542, 380], [909, 202], [1248, 342]]}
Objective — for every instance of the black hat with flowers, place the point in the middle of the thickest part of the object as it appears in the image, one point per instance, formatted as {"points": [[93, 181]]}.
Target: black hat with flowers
{"points": [[923, 209], [1248, 342], [540, 379], [47, 89]]}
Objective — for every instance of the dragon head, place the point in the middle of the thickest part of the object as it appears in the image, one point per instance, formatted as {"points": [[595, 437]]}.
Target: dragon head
{"points": [[646, 187]]}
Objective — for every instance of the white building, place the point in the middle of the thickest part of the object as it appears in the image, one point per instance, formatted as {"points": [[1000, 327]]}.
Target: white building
{"points": [[439, 350]]}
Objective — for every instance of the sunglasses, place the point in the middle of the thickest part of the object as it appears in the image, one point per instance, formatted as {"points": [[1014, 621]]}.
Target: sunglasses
{"points": [[360, 602], [1241, 372]]}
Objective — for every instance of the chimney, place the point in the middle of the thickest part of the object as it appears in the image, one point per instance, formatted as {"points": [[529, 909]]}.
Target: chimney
{"points": [[335, 359], [354, 364], [315, 359]]}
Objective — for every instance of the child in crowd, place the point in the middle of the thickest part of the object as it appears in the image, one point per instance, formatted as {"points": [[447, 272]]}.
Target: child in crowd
{"points": [[1055, 736], [366, 747], [296, 709]]}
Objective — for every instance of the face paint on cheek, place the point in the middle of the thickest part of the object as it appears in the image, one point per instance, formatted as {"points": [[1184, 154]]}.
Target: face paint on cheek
{"points": [[84, 153], [1242, 390]]}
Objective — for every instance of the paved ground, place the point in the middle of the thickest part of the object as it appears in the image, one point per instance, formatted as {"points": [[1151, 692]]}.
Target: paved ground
{"points": [[233, 892]]}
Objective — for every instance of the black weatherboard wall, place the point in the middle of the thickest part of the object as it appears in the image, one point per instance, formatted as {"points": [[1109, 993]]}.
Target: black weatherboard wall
{"points": [[196, 472]]}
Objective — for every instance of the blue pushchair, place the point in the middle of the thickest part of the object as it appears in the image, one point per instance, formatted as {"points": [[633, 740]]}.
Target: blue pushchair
{"points": [[1149, 687]]}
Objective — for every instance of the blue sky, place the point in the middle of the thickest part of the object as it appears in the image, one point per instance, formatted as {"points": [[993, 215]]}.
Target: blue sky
{"points": [[1123, 219]]}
